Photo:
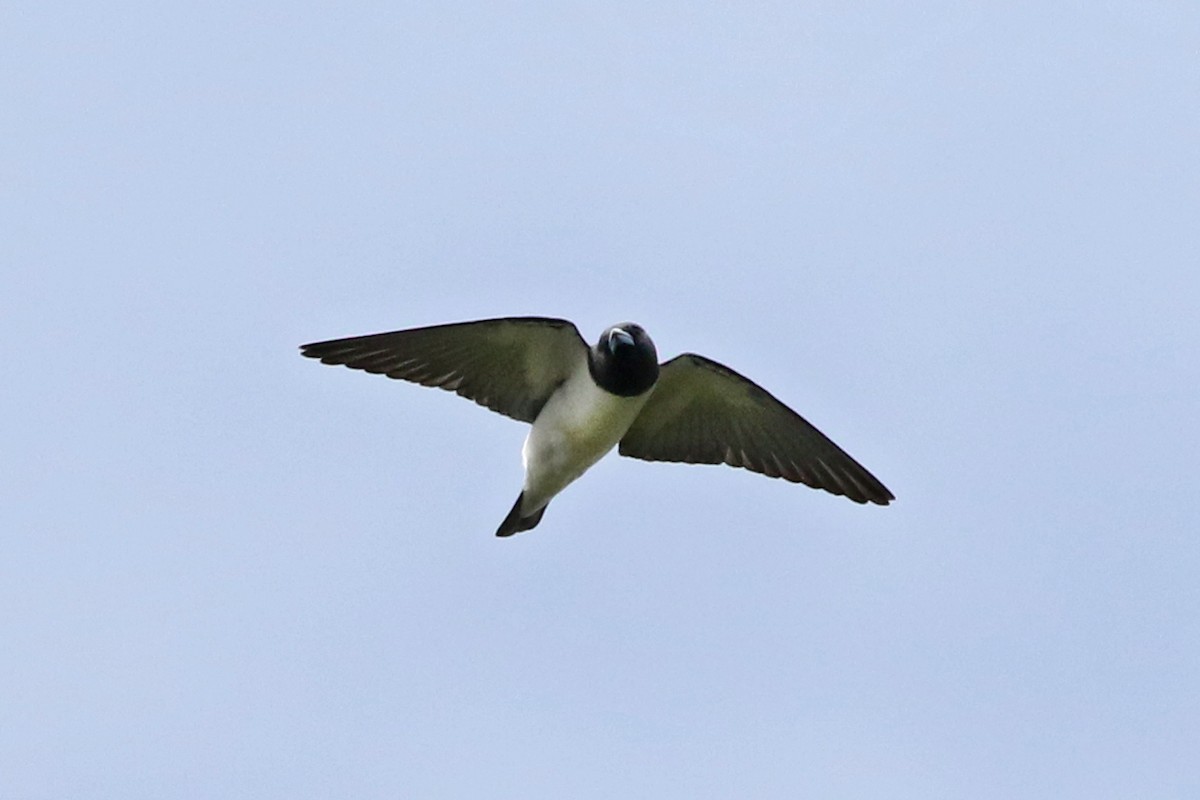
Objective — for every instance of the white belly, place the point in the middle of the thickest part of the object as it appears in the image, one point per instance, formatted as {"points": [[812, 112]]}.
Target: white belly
{"points": [[579, 424]]}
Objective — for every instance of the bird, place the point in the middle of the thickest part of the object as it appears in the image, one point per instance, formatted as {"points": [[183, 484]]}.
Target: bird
{"points": [[582, 401]]}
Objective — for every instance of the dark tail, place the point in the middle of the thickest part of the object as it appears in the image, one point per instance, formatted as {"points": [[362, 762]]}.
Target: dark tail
{"points": [[515, 523]]}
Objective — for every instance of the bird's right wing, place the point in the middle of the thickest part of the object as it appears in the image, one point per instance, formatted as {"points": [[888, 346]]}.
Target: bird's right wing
{"points": [[510, 365], [702, 412]]}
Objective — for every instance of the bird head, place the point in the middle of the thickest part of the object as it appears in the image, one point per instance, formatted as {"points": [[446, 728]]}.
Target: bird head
{"points": [[625, 361]]}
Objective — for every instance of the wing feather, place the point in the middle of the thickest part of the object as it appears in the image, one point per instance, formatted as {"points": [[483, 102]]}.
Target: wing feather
{"points": [[702, 412], [510, 365]]}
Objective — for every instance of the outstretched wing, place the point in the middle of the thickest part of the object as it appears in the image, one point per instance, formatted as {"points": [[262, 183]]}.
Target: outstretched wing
{"points": [[702, 412], [509, 365]]}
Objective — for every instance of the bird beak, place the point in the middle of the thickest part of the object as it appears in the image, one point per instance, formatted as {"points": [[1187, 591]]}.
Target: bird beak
{"points": [[618, 337]]}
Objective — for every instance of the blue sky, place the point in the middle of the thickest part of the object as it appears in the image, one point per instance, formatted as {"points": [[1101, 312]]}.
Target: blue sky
{"points": [[961, 239]]}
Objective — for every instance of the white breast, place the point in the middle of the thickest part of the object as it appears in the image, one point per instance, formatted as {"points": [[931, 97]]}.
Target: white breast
{"points": [[579, 424]]}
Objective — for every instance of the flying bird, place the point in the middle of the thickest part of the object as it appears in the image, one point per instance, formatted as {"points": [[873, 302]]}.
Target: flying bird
{"points": [[582, 401]]}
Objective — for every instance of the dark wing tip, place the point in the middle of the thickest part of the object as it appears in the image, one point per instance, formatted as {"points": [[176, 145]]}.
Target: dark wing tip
{"points": [[317, 349], [854, 481], [335, 353], [847, 478], [879, 496]]}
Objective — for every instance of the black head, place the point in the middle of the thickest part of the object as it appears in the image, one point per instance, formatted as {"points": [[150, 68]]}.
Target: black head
{"points": [[624, 361]]}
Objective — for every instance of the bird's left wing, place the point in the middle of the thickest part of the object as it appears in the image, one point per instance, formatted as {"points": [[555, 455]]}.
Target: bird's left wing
{"points": [[510, 365], [702, 412]]}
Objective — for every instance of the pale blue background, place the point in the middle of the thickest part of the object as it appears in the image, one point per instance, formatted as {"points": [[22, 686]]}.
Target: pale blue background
{"points": [[961, 238]]}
